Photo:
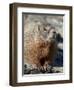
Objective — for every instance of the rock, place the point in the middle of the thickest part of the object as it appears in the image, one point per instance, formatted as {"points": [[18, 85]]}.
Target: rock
{"points": [[57, 71], [50, 69], [42, 71], [34, 71], [26, 71]]}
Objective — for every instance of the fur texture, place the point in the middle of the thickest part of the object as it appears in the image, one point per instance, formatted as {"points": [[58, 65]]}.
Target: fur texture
{"points": [[40, 50]]}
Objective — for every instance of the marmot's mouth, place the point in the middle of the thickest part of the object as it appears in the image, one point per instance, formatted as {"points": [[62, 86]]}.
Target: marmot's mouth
{"points": [[52, 40]]}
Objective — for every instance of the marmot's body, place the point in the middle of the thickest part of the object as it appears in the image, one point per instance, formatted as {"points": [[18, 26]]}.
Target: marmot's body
{"points": [[40, 52]]}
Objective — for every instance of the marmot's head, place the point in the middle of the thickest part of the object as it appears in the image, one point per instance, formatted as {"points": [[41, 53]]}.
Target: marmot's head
{"points": [[47, 32], [52, 34]]}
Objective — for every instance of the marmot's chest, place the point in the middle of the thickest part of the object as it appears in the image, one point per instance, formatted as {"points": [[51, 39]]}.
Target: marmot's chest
{"points": [[47, 49], [43, 49]]}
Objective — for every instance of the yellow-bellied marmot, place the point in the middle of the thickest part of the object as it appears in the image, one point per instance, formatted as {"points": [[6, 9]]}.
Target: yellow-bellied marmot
{"points": [[40, 49]]}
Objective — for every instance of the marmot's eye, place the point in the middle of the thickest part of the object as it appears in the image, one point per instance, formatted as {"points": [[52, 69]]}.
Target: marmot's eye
{"points": [[45, 29], [54, 32]]}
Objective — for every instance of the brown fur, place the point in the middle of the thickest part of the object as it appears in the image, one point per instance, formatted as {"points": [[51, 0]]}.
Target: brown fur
{"points": [[39, 53]]}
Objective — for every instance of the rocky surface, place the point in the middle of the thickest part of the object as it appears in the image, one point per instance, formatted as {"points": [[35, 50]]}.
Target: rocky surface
{"points": [[52, 70], [49, 70]]}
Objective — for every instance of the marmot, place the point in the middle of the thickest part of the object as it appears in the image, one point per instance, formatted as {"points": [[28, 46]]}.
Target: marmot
{"points": [[40, 49]]}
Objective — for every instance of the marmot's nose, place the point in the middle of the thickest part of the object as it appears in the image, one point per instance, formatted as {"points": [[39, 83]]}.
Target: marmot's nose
{"points": [[54, 32]]}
